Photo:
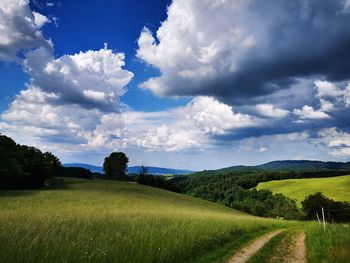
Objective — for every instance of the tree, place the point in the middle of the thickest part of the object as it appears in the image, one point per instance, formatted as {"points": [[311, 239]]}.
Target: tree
{"points": [[334, 210], [36, 165], [115, 165], [55, 163], [313, 204]]}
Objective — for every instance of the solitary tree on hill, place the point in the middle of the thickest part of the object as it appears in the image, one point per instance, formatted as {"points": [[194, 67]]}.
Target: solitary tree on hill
{"points": [[115, 165]]}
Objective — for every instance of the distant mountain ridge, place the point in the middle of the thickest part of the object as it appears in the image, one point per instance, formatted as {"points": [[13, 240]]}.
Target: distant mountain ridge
{"points": [[92, 168], [296, 165], [304, 165], [132, 169]]}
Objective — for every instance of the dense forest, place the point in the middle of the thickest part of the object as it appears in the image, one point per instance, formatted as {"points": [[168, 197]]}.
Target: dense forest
{"points": [[233, 190], [236, 190]]}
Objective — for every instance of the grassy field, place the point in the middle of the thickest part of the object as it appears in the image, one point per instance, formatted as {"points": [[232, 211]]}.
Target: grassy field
{"points": [[332, 245], [337, 188], [108, 221]]}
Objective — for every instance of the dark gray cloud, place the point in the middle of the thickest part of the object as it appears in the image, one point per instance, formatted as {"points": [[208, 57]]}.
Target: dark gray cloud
{"points": [[251, 53], [284, 126], [247, 49], [339, 119]]}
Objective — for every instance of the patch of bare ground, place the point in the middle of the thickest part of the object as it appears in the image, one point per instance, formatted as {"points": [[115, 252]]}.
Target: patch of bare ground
{"points": [[244, 254], [291, 249]]}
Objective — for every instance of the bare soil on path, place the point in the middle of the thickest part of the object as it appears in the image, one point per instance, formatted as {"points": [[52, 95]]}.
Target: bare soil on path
{"points": [[247, 252], [291, 249]]}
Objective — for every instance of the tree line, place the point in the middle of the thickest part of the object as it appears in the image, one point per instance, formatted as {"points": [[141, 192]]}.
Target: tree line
{"points": [[236, 190], [233, 190], [145, 178], [26, 167], [23, 167]]}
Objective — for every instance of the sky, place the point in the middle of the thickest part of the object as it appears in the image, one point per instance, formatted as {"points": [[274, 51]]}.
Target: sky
{"points": [[180, 83]]}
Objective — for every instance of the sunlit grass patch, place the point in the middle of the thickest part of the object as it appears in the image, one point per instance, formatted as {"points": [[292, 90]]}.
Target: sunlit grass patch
{"points": [[337, 188], [108, 221]]}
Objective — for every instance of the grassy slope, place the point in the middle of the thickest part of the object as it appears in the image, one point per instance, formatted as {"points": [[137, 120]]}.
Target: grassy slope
{"points": [[337, 188], [105, 221]]}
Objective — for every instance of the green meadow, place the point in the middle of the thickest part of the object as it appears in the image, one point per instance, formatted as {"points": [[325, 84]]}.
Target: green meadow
{"points": [[110, 221], [328, 246], [336, 188]]}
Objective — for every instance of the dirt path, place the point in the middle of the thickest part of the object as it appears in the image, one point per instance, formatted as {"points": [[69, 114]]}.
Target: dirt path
{"points": [[291, 249], [300, 248], [245, 253]]}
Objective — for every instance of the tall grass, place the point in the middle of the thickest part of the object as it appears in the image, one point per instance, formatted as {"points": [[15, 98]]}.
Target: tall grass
{"points": [[105, 221], [328, 246]]}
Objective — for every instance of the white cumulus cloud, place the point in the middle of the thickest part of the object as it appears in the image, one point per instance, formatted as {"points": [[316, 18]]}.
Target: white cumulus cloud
{"points": [[336, 141], [326, 105], [40, 19], [271, 111], [20, 29], [91, 79], [184, 128], [308, 112], [188, 127], [327, 89], [191, 47]]}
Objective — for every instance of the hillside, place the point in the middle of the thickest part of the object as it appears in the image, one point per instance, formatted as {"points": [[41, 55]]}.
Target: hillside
{"points": [[132, 169], [92, 168], [295, 165], [109, 221], [336, 188]]}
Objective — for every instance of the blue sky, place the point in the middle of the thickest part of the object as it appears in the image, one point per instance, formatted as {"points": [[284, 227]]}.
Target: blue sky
{"points": [[82, 27], [183, 83]]}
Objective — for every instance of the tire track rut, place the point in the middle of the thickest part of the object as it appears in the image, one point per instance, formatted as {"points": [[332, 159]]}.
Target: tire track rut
{"points": [[244, 254]]}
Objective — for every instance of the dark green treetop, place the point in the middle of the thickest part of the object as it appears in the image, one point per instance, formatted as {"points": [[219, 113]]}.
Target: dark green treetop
{"points": [[115, 166]]}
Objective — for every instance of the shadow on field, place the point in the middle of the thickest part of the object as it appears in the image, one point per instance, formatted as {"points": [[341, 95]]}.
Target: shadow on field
{"points": [[57, 183], [15, 193], [51, 184]]}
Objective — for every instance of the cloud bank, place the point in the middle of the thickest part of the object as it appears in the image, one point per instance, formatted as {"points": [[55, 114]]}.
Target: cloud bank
{"points": [[240, 50]]}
